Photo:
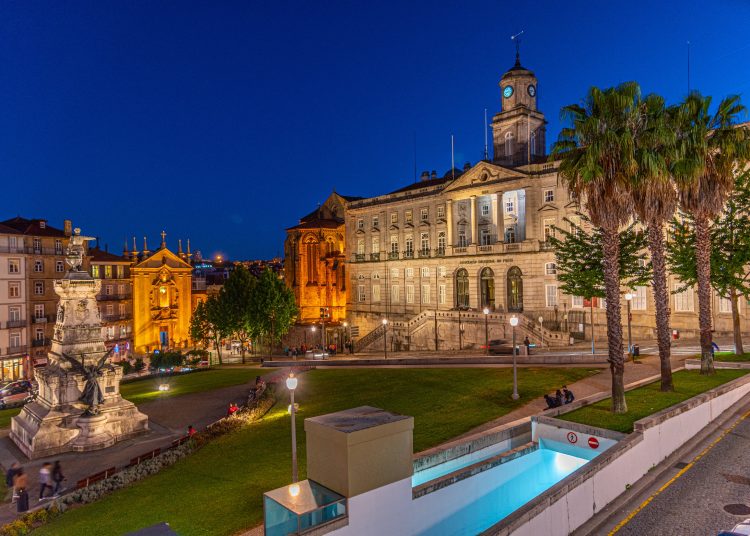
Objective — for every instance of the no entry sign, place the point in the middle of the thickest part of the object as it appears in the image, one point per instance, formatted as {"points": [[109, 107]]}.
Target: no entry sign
{"points": [[572, 437], [593, 443]]}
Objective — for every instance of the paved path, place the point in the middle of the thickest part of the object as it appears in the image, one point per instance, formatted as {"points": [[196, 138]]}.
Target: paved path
{"points": [[711, 495]]}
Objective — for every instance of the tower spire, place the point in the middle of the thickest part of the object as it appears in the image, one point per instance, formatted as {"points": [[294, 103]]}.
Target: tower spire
{"points": [[163, 240], [517, 39], [145, 247]]}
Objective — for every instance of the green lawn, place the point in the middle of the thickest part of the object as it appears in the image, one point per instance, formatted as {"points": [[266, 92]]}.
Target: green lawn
{"points": [[146, 390], [729, 356], [648, 399], [218, 490], [6, 415]]}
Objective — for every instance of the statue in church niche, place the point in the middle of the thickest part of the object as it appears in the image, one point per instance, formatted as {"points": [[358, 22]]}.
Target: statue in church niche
{"points": [[92, 393], [76, 250]]}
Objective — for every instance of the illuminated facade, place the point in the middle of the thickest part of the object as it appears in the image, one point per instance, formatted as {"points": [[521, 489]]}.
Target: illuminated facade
{"points": [[314, 266], [115, 299], [162, 299]]}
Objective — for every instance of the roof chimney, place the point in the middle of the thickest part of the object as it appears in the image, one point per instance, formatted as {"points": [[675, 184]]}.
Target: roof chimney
{"points": [[68, 227], [434, 174], [425, 176]]}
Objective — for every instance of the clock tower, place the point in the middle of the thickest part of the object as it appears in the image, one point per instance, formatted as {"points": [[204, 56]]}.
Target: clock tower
{"points": [[518, 131]]}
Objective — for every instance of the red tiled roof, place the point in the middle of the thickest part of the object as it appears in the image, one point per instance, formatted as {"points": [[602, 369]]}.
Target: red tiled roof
{"points": [[32, 227], [99, 255]]}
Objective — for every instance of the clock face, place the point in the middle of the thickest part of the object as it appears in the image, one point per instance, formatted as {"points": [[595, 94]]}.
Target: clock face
{"points": [[507, 91], [532, 90]]}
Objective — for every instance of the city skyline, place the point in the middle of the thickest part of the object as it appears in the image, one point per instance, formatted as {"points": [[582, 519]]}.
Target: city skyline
{"points": [[203, 121]]}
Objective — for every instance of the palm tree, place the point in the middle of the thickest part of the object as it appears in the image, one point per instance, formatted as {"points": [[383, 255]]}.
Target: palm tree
{"points": [[597, 153], [654, 201], [712, 147]]}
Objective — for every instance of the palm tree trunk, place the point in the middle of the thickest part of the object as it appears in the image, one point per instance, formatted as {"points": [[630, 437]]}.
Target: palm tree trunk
{"points": [[661, 301], [738, 349], [611, 247], [703, 269]]}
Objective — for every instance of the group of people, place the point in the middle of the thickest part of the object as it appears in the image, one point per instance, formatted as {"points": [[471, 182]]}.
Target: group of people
{"points": [[51, 478], [562, 397], [332, 349]]}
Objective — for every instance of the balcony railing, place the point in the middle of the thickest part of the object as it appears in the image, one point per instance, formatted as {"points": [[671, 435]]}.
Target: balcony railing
{"points": [[115, 297], [546, 245], [43, 251], [16, 323], [8, 249], [393, 256], [36, 343], [424, 253], [42, 319], [359, 257], [440, 252], [408, 254], [374, 256], [115, 318], [10, 350], [461, 249]]}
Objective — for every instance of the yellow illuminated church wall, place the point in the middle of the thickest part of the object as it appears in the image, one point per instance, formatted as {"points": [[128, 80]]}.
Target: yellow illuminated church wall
{"points": [[162, 302]]}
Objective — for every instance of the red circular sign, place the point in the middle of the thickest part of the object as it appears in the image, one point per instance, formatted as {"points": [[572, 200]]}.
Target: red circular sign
{"points": [[593, 443], [572, 437]]}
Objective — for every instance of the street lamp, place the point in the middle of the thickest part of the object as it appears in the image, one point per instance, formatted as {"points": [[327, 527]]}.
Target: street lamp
{"points": [[628, 299], [513, 324], [486, 331], [291, 384], [345, 324], [541, 330], [385, 337]]}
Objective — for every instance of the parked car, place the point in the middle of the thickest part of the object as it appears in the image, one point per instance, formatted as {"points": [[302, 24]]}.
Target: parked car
{"points": [[740, 529], [203, 364], [16, 394], [316, 354], [501, 346]]}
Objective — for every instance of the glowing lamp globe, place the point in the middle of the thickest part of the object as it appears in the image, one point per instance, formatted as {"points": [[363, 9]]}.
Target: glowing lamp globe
{"points": [[514, 321], [291, 382]]}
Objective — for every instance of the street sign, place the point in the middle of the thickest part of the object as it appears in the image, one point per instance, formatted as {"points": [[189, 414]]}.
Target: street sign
{"points": [[572, 437], [593, 443]]}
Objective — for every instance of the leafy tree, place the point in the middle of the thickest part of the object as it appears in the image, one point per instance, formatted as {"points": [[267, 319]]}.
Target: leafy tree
{"points": [[654, 202], [597, 153], [273, 310], [218, 320], [200, 328], [730, 251], [711, 148], [236, 298]]}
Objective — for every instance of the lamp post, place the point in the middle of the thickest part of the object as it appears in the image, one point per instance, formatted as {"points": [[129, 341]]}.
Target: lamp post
{"points": [[486, 331], [385, 338], [513, 324], [628, 299], [346, 335], [541, 330], [291, 384]]}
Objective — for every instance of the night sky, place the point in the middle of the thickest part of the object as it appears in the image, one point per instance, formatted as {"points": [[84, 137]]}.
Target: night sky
{"points": [[225, 122]]}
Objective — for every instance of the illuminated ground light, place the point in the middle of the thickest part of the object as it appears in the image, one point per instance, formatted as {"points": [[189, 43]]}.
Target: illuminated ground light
{"points": [[163, 387]]}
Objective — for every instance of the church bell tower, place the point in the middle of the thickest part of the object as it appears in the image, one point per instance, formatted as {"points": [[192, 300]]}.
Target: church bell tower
{"points": [[518, 131]]}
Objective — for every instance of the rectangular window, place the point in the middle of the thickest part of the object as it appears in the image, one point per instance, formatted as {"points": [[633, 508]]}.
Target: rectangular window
{"points": [[15, 339], [549, 229], [39, 334], [360, 223], [58, 247], [394, 273], [110, 332], [120, 271], [121, 309], [361, 296], [425, 271], [108, 290], [441, 243], [108, 271], [725, 305], [549, 196], [462, 242], [423, 214], [376, 221], [14, 290], [37, 245], [95, 271], [407, 216], [394, 244], [394, 294], [360, 246], [12, 243], [441, 271], [121, 290], [376, 293], [14, 314], [510, 206], [550, 268], [59, 266], [484, 236], [38, 288], [424, 242], [510, 234], [110, 310], [14, 266], [409, 293], [394, 218], [441, 294], [639, 299], [409, 251], [409, 272], [576, 301], [551, 295], [376, 244], [426, 293], [39, 310], [485, 210], [683, 301], [38, 265], [441, 212]]}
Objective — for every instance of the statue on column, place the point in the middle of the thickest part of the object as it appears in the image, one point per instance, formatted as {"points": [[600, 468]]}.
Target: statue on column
{"points": [[77, 249]]}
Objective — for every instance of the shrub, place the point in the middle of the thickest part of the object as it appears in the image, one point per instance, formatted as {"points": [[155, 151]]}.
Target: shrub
{"points": [[139, 364], [127, 368], [167, 359]]}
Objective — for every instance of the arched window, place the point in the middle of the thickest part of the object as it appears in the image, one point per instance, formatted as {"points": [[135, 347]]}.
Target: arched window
{"points": [[462, 288], [515, 289], [532, 143], [311, 252], [487, 280], [509, 144]]}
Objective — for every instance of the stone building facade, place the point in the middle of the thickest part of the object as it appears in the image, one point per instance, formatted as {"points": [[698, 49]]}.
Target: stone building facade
{"points": [[115, 299], [432, 256], [14, 338]]}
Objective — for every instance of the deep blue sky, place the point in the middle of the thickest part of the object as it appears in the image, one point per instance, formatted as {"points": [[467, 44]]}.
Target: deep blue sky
{"points": [[227, 121]]}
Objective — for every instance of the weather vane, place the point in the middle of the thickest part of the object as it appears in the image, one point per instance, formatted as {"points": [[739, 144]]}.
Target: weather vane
{"points": [[517, 39]]}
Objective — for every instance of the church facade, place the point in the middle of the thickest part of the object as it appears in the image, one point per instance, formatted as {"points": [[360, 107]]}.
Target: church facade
{"points": [[431, 257]]}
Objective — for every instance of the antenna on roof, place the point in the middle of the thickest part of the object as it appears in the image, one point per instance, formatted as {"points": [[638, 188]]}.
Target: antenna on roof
{"points": [[517, 39], [486, 153], [453, 162]]}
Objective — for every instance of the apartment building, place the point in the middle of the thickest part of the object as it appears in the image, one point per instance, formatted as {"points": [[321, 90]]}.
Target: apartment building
{"points": [[14, 360], [115, 300]]}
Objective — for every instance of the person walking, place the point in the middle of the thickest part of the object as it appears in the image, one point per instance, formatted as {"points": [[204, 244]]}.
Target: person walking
{"points": [[57, 478], [20, 489], [45, 479], [527, 343], [9, 476]]}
